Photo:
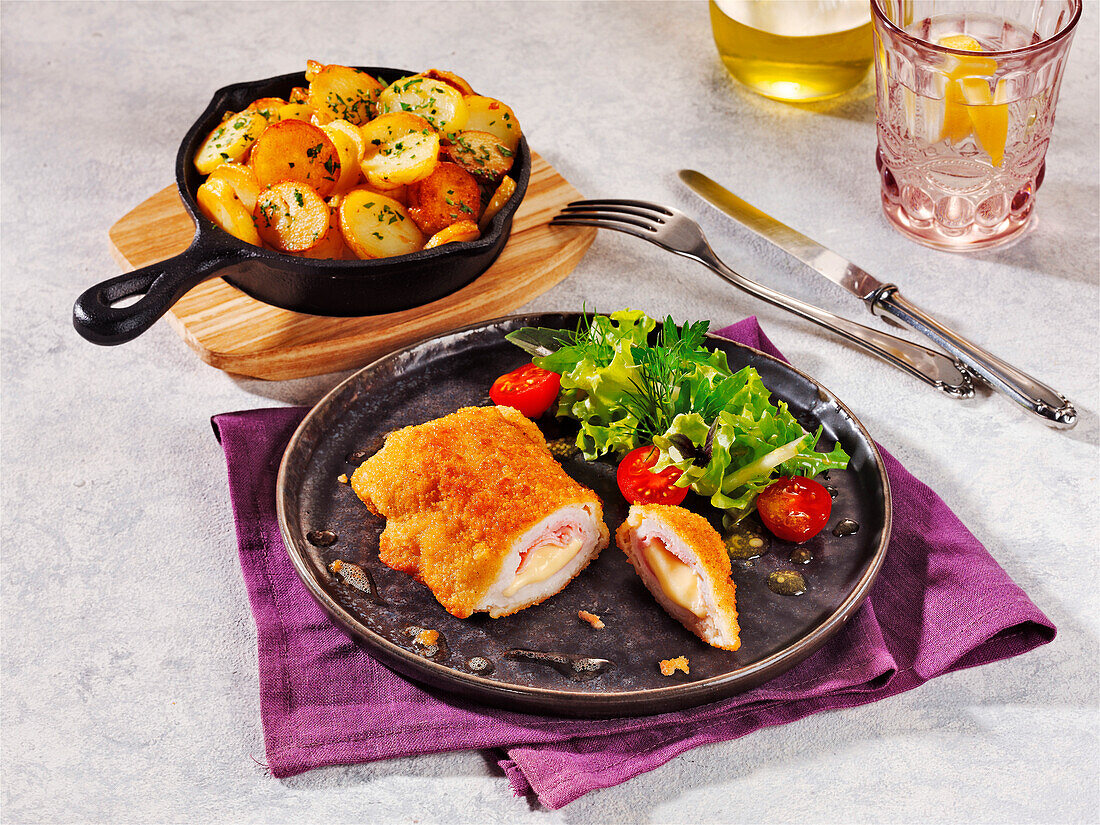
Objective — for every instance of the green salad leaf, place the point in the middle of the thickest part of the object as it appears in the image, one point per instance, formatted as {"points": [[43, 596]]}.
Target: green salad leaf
{"points": [[721, 429]]}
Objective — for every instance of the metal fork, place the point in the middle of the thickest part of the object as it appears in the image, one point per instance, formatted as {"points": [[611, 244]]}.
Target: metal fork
{"points": [[673, 230]]}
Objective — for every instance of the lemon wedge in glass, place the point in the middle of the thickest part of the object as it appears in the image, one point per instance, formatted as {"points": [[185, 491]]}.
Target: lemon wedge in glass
{"points": [[969, 105]]}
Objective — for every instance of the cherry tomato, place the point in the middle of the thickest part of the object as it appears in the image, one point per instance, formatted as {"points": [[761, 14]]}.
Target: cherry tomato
{"points": [[529, 389], [795, 508], [640, 485]]}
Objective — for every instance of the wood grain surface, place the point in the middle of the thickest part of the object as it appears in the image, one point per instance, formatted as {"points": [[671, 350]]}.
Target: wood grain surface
{"points": [[238, 334]]}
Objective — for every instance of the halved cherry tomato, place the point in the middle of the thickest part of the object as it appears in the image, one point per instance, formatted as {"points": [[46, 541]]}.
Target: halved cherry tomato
{"points": [[640, 485], [794, 508], [529, 389]]}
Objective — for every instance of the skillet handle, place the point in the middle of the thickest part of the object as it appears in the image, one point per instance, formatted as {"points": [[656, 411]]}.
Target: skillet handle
{"points": [[98, 320]]}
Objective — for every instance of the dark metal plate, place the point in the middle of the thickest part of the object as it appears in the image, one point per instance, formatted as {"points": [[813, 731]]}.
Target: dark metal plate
{"points": [[436, 377]]}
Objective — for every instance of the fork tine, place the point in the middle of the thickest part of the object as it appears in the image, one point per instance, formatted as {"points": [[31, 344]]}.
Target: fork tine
{"points": [[652, 207], [612, 212], [629, 229], [631, 218]]}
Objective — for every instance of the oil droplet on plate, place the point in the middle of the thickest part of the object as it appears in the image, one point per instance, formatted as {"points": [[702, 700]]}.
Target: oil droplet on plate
{"points": [[578, 668], [321, 538], [787, 583], [563, 449], [355, 576], [801, 555], [743, 543], [427, 642], [845, 527], [479, 664]]}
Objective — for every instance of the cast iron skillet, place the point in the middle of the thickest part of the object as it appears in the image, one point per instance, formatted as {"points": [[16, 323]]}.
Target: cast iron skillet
{"points": [[544, 659], [318, 287]]}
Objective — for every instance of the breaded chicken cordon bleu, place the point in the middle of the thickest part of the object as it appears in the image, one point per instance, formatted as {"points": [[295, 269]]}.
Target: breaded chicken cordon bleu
{"points": [[478, 510], [683, 562]]}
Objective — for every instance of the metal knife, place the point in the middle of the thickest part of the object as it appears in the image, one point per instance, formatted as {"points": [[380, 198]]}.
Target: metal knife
{"points": [[879, 297]]}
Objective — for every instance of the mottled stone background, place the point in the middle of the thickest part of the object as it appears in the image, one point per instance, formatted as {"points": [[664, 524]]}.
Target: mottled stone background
{"points": [[129, 672]]}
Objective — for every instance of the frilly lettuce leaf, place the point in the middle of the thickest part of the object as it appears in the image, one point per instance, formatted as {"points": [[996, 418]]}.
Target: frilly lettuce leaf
{"points": [[595, 377], [720, 429]]}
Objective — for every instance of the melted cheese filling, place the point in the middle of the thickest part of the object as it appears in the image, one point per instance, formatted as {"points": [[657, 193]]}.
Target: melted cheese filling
{"points": [[541, 563], [678, 580]]}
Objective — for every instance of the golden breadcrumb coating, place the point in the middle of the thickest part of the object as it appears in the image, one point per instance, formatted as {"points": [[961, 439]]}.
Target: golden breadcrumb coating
{"points": [[670, 666], [697, 533], [458, 492]]}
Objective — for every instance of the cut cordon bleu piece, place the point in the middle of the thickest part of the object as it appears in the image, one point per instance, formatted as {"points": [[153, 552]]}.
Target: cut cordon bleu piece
{"points": [[478, 510], [683, 562]]}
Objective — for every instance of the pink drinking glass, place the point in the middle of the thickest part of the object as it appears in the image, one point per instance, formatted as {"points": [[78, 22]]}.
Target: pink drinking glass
{"points": [[966, 93]]}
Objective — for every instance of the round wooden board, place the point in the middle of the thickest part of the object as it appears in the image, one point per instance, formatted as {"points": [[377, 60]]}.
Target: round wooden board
{"points": [[238, 334]]}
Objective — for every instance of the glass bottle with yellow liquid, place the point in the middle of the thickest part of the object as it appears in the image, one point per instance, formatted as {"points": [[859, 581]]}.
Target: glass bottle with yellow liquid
{"points": [[794, 50]]}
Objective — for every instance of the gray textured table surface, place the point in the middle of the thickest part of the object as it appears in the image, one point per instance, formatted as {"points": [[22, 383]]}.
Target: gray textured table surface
{"points": [[129, 671]]}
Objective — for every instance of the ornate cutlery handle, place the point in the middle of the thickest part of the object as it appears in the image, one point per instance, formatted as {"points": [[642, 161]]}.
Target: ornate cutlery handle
{"points": [[930, 366], [1016, 384]]}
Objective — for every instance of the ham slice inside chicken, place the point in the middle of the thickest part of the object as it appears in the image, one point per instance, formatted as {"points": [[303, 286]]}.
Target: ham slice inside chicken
{"points": [[544, 559], [545, 556]]}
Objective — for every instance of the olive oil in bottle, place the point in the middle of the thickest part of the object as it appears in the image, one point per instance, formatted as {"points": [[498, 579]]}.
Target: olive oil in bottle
{"points": [[794, 50]]}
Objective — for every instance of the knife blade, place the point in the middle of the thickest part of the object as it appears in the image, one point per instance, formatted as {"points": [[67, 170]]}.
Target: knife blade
{"points": [[826, 262], [1022, 388]]}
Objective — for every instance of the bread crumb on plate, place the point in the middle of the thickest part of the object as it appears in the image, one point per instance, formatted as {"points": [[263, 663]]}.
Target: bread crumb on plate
{"points": [[670, 666], [591, 618], [427, 637]]}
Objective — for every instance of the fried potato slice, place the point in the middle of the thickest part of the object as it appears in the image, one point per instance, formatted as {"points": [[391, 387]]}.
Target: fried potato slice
{"points": [[292, 150], [487, 114], [375, 226], [299, 94], [439, 103], [461, 231], [231, 140], [267, 106], [500, 197], [352, 131], [219, 203], [341, 92], [481, 154], [448, 195], [347, 147], [451, 79], [242, 179], [296, 111], [399, 148], [292, 217], [329, 245], [398, 193]]}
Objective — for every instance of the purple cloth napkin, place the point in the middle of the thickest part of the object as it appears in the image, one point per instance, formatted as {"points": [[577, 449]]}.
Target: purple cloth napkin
{"points": [[941, 603]]}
